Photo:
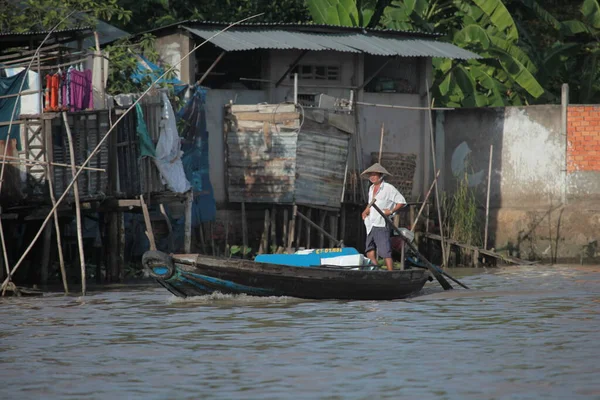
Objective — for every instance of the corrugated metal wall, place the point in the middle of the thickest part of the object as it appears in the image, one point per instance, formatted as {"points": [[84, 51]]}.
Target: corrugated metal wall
{"points": [[261, 153], [270, 161], [138, 175], [87, 129], [321, 162]]}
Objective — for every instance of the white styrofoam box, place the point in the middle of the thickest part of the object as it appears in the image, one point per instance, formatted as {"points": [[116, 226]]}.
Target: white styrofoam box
{"points": [[352, 259]]}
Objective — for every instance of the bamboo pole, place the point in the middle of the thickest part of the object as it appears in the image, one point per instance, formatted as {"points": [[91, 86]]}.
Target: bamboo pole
{"points": [[381, 143], [414, 223], [18, 160], [61, 259], [487, 200], [149, 231], [2, 169], [292, 229], [77, 203], [362, 103], [244, 230], [189, 200], [163, 211], [433, 156], [101, 142]]}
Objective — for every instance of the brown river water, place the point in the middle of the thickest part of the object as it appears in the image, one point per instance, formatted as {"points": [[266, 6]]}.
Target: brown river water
{"points": [[520, 333]]}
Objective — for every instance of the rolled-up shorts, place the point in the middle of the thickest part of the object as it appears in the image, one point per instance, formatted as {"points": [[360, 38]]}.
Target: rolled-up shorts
{"points": [[379, 238]]}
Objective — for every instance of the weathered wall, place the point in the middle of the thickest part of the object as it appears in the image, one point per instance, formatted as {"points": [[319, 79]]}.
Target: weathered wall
{"points": [[172, 48], [404, 131], [537, 207], [280, 60], [215, 101]]}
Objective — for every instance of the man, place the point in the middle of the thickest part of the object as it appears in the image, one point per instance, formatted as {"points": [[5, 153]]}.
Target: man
{"points": [[389, 200]]}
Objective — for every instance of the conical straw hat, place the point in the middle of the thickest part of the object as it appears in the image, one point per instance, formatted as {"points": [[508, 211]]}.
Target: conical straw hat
{"points": [[378, 168]]}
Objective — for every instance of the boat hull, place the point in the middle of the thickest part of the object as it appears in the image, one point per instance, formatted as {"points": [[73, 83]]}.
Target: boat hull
{"points": [[197, 275]]}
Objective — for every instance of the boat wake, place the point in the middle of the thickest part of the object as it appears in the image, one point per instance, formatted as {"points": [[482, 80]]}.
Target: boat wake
{"points": [[218, 297]]}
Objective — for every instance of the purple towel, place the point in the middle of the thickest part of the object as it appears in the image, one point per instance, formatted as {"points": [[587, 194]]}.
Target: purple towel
{"points": [[81, 96]]}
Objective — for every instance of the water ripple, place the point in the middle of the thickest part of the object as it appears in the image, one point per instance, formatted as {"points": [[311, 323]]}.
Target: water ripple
{"points": [[521, 332]]}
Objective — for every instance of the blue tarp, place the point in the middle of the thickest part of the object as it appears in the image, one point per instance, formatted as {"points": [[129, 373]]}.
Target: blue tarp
{"points": [[8, 86], [146, 68], [195, 156]]}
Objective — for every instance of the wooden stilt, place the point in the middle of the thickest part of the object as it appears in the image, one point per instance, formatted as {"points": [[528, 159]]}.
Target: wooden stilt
{"points": [[149, 231], [322, 217], [121, 220], [264, 239], [188, 222], [433, 159], [273, 239], [226, 252], [487, 200], [244, 230], [299, 231], [308, 230], [292, 230], [171, 239], [342, 234], [333, 219], [77, 203], [285, 227], [212, 238], [202, 238], [113, 247], [46, 262]]}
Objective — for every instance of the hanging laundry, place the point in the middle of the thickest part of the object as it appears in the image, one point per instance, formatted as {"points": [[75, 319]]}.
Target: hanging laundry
{"points": [[80, 92], [30, 103], [8, 86]]}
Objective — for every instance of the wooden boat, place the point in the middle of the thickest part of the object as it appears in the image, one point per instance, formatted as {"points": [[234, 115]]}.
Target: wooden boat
{"points": [[195, 275]]}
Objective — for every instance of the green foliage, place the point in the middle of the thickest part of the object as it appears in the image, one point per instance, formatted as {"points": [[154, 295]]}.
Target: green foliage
{"points": [[124, 63], [30, 15], [461, 221], [239, 250], [154, 13]]}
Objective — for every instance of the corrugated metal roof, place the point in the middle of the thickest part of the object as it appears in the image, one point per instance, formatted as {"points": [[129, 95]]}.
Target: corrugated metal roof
{"points": [[241, 39], [295, 27], [34, 33]]}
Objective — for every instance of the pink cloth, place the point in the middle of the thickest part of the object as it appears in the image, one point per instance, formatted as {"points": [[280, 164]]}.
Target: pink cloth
{"points": [[80, 96]]}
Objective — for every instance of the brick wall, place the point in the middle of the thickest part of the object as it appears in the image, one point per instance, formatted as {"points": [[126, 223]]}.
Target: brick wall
{"points": [[583, 138]]}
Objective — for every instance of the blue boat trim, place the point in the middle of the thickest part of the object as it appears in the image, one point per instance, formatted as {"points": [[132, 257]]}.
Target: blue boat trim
{"points": [[160, 270], [228, 285]]}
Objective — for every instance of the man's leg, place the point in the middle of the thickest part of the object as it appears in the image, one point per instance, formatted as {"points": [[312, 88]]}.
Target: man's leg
{"points": [[389, 263], [371, 256]]}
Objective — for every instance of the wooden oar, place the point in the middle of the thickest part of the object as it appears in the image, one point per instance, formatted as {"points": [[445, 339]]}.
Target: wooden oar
{"points": [[340, 243], [434, 271]]}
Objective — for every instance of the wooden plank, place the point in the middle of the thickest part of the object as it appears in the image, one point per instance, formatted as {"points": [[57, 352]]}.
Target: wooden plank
{"points": [[268, 117], [129, 203], [149, 231], [263, 108], [257, 126], [490, 253]]}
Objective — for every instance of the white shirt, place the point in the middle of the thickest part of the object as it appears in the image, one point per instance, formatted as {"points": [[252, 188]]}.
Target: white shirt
{"points": [[387, 197]]}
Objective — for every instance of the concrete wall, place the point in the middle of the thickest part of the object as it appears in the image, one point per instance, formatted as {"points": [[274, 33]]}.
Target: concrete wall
{"points": [[280, 60], [172, 48], [534, 212]]}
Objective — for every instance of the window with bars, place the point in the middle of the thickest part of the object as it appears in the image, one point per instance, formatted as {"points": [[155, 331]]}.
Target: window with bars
{"points": [[316, 72]]}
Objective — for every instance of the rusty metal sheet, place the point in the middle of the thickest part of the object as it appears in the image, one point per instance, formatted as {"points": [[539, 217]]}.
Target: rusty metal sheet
{"points": [[321, 162], [261, 165]]}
